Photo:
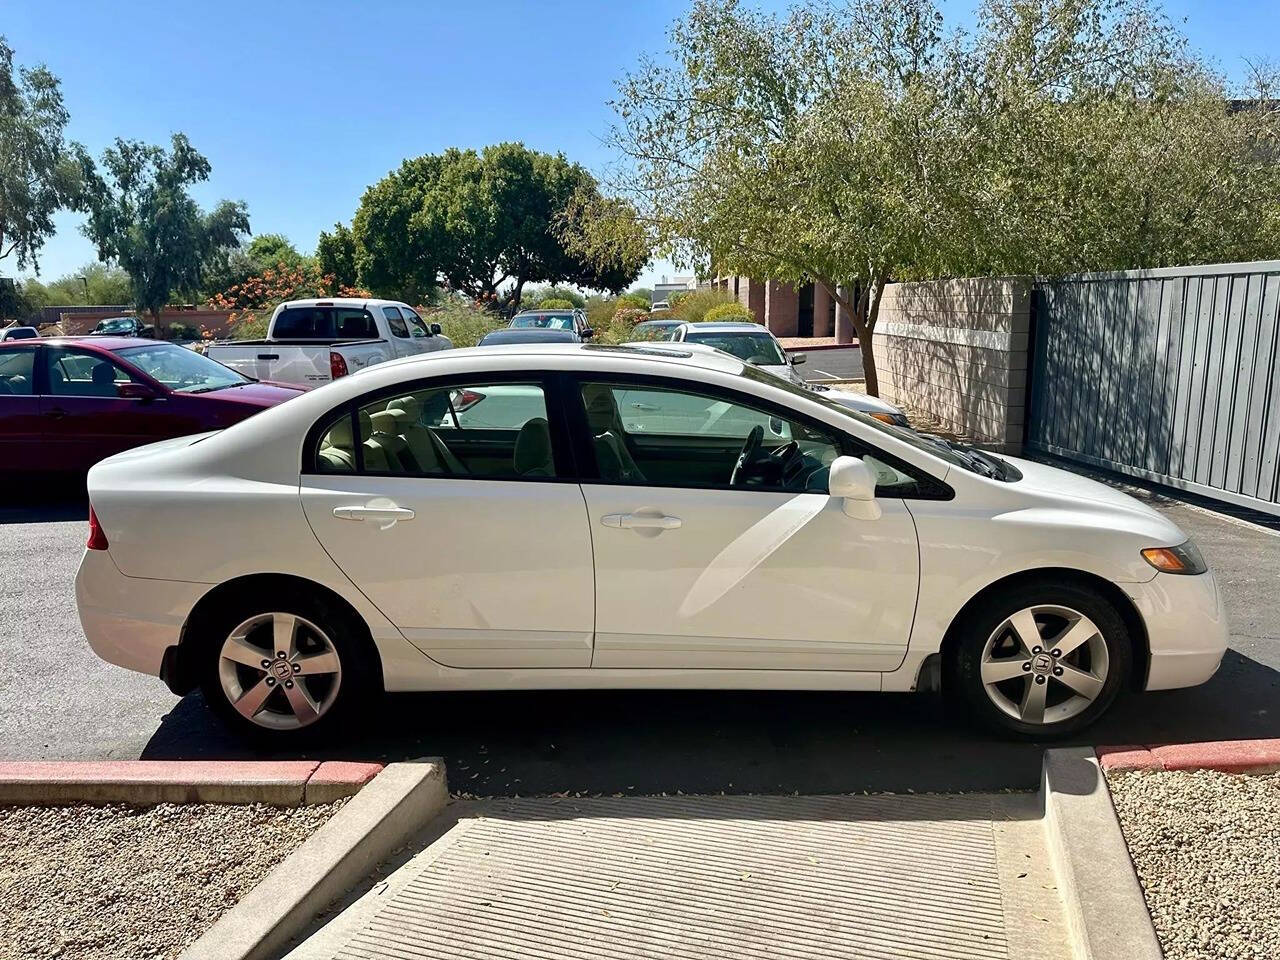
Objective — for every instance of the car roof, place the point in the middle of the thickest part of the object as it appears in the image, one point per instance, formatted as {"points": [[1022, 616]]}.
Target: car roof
{"points": [[550, 310], [95, 344], [530, 335], [660, 322], [734, 326], [343, 302], [668, 353]]}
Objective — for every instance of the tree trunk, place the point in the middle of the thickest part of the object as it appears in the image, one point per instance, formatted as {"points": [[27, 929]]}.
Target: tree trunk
{"points": [[516, 294]]}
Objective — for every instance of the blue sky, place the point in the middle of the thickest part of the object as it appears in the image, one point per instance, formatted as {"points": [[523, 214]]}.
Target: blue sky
{"points": [[301, 105]]}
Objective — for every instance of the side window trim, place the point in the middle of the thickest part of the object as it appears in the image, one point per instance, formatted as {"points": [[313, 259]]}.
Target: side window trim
{"points": [[550, 381], [846, 443]]}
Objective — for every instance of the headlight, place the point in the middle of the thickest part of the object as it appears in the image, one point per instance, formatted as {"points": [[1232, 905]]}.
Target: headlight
{"points": [[1184, 558], [894, 419]]}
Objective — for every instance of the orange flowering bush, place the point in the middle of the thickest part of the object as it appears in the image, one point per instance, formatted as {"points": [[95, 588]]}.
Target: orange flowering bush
{"points": [[252, 302]]}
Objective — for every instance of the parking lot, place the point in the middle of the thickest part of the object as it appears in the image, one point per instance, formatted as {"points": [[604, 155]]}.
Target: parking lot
{"points": [[57, 700]]}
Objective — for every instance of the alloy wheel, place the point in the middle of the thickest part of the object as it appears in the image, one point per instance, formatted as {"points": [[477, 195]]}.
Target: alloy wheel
{"points": [[1044, 664], [279, 671]]}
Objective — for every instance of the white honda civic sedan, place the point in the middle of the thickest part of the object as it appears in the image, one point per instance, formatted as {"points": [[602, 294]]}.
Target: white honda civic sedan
{"points": [[624, 518]]}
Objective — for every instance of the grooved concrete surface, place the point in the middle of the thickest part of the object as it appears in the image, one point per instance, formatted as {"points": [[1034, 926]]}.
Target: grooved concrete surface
{"points": [[955, 877]]}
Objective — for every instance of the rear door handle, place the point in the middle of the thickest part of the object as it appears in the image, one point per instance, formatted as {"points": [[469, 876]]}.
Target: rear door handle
{"points": [[640, 521], [57, 413], [385, 517]]}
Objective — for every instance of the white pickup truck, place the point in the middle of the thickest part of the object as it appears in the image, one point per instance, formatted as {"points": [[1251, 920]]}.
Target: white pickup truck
{"points": [[310, 342]]}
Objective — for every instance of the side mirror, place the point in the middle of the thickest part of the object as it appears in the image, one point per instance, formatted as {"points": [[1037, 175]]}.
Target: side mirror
{"points": [[435, 329], [797, 359], [587, 333], [852, 480], [134, 391]]}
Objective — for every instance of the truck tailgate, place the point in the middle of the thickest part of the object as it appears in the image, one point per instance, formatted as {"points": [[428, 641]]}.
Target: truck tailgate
{"points": [[305, 365]]}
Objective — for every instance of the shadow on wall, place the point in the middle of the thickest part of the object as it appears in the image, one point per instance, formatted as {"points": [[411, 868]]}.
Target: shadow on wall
{"points": [[1171, 373]]}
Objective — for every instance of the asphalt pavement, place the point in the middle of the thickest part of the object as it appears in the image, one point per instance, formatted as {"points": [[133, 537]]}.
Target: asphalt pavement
{"points": [[57, 700]]}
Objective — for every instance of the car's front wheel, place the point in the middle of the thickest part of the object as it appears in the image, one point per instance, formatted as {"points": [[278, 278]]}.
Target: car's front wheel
{"points": [[283, 668], [1040, 660]]}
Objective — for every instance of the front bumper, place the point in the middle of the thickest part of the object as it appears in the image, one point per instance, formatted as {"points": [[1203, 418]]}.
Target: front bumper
{"points": [[1186, 628], [131, 621]]}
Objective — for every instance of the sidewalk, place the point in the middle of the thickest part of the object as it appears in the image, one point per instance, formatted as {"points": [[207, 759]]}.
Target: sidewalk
{"points": [[954, 877]]}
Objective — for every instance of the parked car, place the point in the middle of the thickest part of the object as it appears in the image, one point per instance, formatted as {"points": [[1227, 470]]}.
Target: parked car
{"points": [[659, 305], [16, 332], [655, 329], [509, 335], [310, 342], [755, 344], [123, 327], [575, 320], [362, 538], [66, 403]]}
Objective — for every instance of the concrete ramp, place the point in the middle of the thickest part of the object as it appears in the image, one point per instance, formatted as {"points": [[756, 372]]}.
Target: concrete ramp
{"points": [[810, 878]]}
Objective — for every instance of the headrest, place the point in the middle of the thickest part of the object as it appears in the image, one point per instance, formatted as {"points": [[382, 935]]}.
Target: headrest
{"points": [[532, 455], [339, 435], [384, 421], [366, 425], [410, 408]]}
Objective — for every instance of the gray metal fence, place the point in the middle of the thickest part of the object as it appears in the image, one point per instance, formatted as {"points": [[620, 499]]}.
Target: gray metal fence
{"points": [[1169, 375]]}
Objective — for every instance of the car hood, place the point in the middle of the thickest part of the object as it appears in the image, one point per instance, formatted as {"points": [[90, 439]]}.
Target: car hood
{"points": [[860, 401], [1069, 489], [257, 394]]}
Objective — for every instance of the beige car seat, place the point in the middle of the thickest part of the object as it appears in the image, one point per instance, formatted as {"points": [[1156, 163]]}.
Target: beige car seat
{"points": [[532, 456], [337, 451], [385, 451], [427, 449], [612, 456]]}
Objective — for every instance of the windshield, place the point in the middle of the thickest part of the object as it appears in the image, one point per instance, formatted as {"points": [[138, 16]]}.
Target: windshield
{"points": [[653, 331], [959, 455], [757, 348], [182, 370], [116, 326], [544, 321]]}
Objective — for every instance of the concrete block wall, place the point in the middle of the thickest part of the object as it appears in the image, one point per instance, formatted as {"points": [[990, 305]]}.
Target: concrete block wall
{"points": [[957, 350]]}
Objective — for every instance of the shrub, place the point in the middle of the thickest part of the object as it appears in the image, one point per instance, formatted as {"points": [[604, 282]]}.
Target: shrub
{"points": [[630, 301], [729, 311], [618, 329], [694, 305], [555, 303], [181, 331], [462, 322]]}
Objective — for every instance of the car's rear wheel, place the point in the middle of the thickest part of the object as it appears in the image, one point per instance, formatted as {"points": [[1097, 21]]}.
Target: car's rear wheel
{"points": [[284, 669], [1039, 661]]}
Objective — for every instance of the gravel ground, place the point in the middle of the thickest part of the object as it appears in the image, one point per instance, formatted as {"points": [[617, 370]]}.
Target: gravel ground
{"points": [[123, 883], [1207, 849]]}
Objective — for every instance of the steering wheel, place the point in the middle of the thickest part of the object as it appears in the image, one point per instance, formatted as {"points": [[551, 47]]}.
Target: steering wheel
{"points": [[750, 450]]}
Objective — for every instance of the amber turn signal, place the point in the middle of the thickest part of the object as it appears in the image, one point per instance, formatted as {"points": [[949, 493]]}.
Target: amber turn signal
{"points": [[1184, 558]]}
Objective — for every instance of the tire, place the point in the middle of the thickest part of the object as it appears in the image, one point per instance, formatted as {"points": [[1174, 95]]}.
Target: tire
{"points": [[317, 689], [1050, 690]]}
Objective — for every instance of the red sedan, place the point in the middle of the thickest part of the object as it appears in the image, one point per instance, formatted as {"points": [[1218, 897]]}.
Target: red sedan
{"points": [[67, 403]]}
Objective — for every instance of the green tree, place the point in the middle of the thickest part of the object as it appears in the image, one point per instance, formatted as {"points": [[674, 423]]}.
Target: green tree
{"points": [[336, 255], [865, 143], [485, 224], [142, 217], [40, 172]]}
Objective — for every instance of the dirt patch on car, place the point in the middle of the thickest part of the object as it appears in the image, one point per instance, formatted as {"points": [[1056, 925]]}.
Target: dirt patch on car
{"points": [[116, 882]]}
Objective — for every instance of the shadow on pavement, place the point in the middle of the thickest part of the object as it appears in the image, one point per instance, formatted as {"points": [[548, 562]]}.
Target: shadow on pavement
{"points": [[43, 501], [629, 742]]}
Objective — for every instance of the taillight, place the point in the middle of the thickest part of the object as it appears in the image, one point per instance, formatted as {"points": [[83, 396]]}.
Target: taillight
{"points": [[97, 539], [465, 399], [337, 365]]}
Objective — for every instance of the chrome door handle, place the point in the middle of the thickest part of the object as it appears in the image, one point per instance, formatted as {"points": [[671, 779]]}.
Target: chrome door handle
{"points": [[640, 521], [385, 516]]}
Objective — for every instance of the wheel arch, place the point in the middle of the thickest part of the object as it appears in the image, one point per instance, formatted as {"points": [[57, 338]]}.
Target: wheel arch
{"points": [[178, 672], [1138, 639]]}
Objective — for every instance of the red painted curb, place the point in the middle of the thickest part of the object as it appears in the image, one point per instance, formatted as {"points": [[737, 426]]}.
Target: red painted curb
{"points": [[1228, 756], [276, 782]]}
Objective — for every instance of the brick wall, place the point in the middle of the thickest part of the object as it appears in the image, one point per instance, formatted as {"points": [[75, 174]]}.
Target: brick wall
{"points": [[957, 349]]}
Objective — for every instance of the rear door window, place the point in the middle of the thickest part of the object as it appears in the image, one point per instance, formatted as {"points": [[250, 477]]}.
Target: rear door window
{"points": [[396, 323], [17, 372], [324, 323]]}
